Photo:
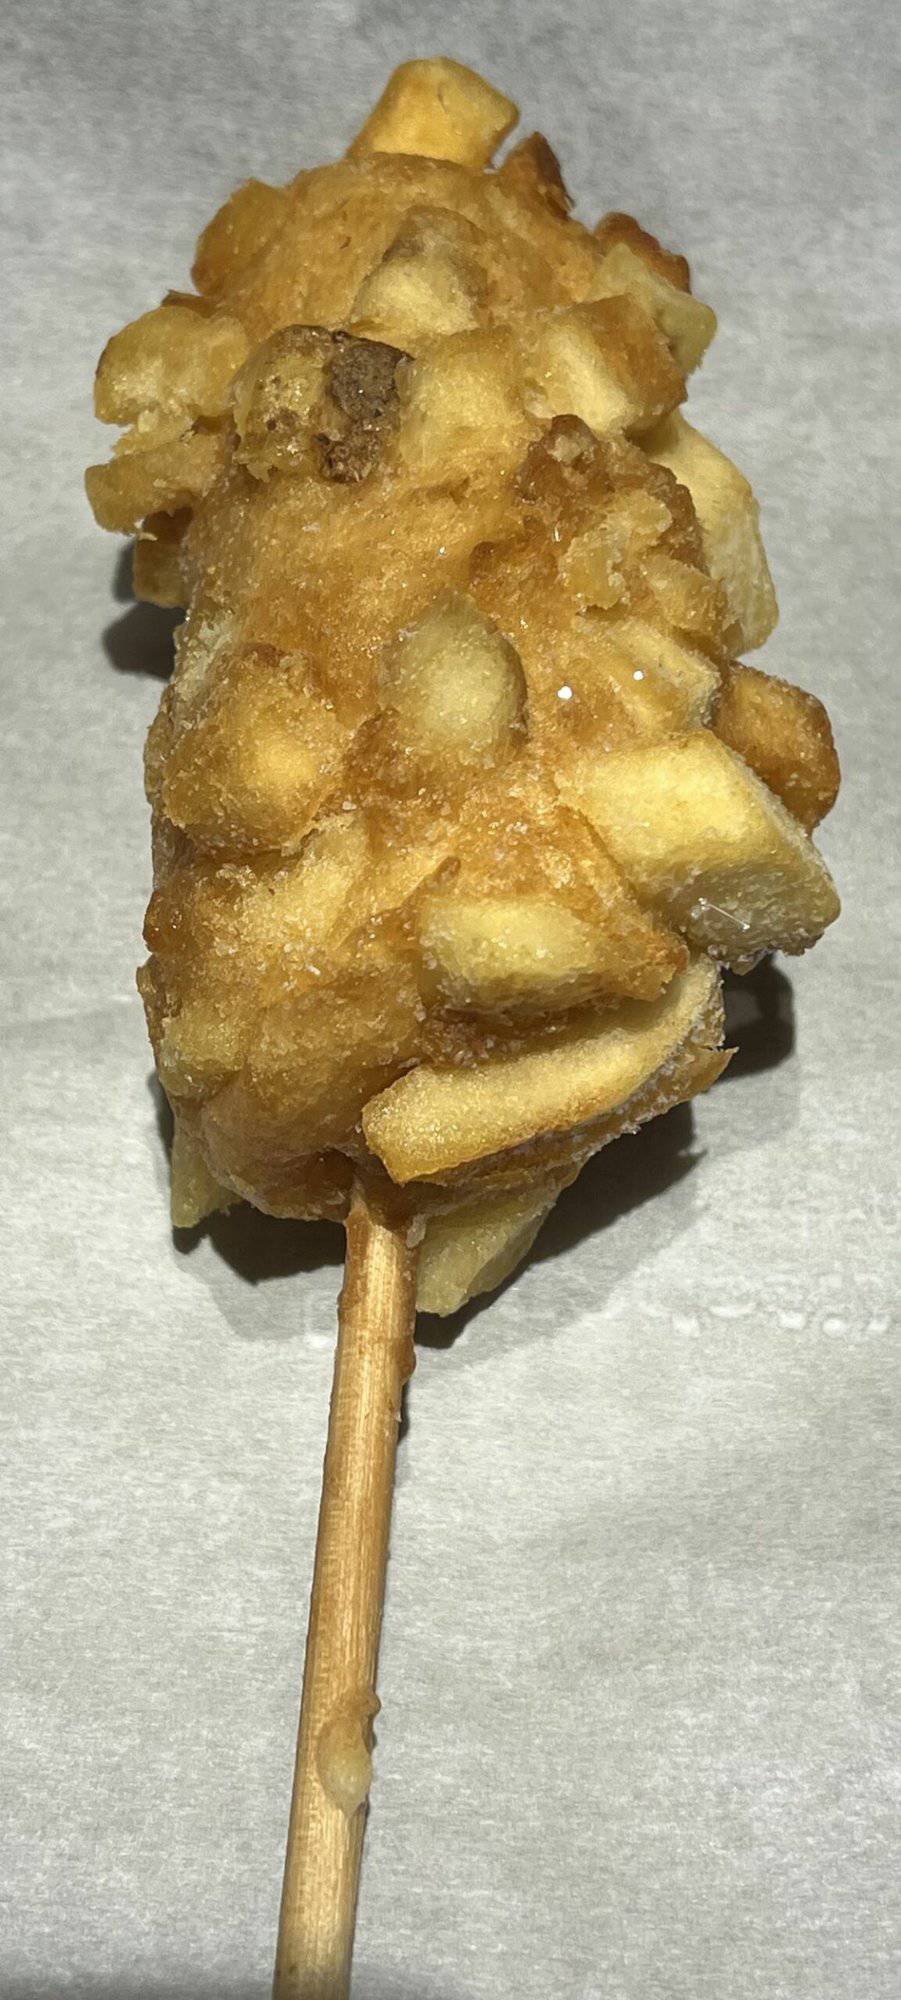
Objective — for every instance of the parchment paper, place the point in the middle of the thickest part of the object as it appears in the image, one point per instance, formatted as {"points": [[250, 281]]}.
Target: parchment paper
{"points": [[640, 1647]]}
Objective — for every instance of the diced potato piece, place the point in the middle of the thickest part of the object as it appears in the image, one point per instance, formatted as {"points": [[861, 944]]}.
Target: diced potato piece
{"points": [[434, 1120], [532, 168], [274, 398], [624, 528], [326, 894], [729, 517], [238, 232], [536, 911], [174, 361], [156, 564], [429, 282], [252, 766], [692, 1068], [786, 737], [685, 322], [476, 1246], [479, 396], [457, 685], [701, 838], [660, 662], [194, 1192], [615, 228], [687, 599], [604, 362], [524, 952], [440, 109], [313, 401], [161, 480], [462, 408], [633, 682], [541, 929], [199, 1047]]}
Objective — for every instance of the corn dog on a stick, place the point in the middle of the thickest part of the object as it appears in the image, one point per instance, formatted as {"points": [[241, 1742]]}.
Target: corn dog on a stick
{"points": [[461, 796]]}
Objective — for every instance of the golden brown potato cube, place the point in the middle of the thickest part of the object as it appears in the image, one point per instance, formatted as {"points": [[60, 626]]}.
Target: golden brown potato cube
{"points": [[457, 686], [786, 737], [685, 322], [250, 768], [533, 169], [274, 397], [156, 564], [429, 283], [325, 894], [435, 1120], [172, 361], [623, 529], [439, 109], [164, 479], [730, 523], [313, 401], [687, 599], [616, 228], [604, 362], [237, 234], [475, 1246], [699, 836]]}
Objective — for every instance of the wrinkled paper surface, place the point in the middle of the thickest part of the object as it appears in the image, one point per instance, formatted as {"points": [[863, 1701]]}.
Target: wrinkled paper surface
{"points": [[640, 1645]]}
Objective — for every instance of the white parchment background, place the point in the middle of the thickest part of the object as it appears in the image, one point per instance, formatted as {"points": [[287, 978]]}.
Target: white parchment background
{"points": [[640, 1649]]}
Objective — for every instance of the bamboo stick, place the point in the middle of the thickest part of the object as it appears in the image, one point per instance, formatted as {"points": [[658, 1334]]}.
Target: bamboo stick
{"points": [[373, 1359]]}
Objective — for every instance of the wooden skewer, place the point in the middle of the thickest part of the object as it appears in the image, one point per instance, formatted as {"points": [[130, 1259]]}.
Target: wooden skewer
{"points": [[374, 1358]]}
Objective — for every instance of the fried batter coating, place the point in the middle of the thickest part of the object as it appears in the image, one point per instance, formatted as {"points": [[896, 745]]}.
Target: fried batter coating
{"points": [[460, 795]]}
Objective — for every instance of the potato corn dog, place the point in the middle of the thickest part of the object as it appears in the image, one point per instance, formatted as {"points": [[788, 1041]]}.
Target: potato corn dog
{"points": [[462, 798]]}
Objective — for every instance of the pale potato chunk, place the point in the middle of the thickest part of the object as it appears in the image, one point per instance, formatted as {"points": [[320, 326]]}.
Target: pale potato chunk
{"points": [[480, 397], [661, 664], [164, 479], [476, 1246], [198, 1048], [604, 362], [685, 322], [326, 893], [439, 109], [194, 1191], [702, 839], [730, 523], [251, 766], [521, 952], [434, 1120], [457, 685], [461, 408], [429, 282], [172, 361]]}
